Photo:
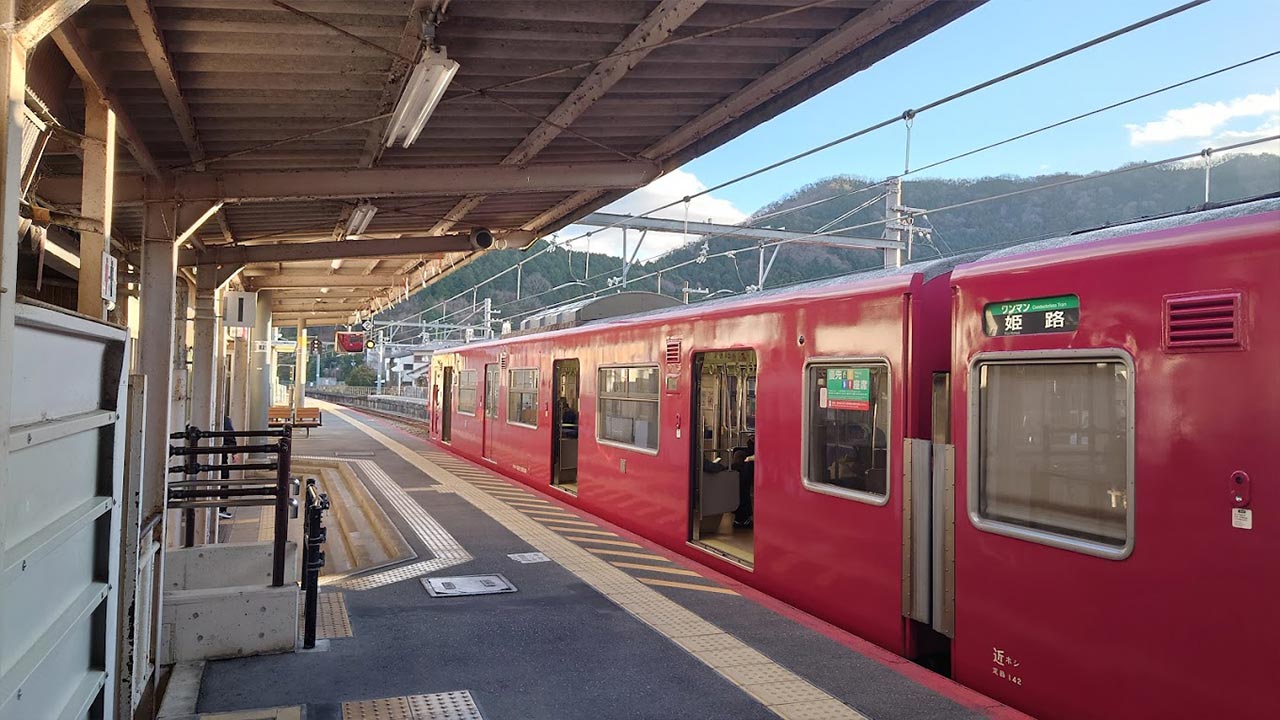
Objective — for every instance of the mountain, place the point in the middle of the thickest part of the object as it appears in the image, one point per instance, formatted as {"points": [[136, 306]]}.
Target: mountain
{"points": [[1022, 215]]}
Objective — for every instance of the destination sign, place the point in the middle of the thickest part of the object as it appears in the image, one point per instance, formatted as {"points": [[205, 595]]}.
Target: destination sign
{"points": [[1032, 317]]}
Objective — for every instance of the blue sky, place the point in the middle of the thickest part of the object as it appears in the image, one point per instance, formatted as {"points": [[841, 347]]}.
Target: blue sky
{"points": [[995, 38]]}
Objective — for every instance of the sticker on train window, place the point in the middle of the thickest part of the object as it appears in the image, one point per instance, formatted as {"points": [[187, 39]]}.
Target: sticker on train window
{"points": [[1032, 317], [847, 389]]}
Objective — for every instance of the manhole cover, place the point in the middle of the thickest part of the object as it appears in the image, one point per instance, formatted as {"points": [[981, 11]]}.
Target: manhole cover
{"points": [[467, 585], [533, 557]]}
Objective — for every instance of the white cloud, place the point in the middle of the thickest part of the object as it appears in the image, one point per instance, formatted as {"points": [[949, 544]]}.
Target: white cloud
{"points": [[1270, 127], [671, 187], [1202, 120]]}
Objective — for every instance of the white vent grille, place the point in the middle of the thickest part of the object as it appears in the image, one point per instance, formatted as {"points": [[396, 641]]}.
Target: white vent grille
{"points": [[1210, 321]]}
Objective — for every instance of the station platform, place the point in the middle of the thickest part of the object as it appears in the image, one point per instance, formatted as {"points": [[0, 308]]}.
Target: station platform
{"points": [[602, 624]]}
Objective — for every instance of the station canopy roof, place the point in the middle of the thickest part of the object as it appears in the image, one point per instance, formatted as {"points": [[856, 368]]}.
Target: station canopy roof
{"points": [[279, 110]]}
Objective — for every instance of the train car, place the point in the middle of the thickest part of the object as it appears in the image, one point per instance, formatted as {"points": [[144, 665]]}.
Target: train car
{"points": [[1116, 535], [1037, 471], [683, 425]]}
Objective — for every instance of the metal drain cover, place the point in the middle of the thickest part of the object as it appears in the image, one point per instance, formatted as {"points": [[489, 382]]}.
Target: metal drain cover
{"points": [[353, 454], [467, 585], [530, 557]]}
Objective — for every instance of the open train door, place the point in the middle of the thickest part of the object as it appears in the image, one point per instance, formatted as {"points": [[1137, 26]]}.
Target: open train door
{"points": [[490, 419], [564, 436], [446, 406]]}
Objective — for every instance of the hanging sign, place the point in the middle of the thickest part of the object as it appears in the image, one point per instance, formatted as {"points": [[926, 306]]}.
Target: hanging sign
{"points": [[110, 269], [1032, 317], [239, 309], [849, 388]]}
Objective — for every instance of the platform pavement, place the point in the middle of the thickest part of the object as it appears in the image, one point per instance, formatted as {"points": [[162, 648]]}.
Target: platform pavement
{"points": [[618, 628]]}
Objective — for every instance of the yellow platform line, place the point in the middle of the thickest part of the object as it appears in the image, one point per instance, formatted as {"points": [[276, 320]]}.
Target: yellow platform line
{"points": [[509, 493], [530, 505], [579, 530], [654, 568], [571, 522], [518, 497], [625, 553], [686, 586], [621, 543]]}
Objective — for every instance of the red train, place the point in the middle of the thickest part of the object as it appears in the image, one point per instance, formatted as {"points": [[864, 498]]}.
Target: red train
{"points": [[1046, 471]]}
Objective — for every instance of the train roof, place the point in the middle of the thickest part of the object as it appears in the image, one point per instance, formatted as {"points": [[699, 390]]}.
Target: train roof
{"points": [[1163, 222]]}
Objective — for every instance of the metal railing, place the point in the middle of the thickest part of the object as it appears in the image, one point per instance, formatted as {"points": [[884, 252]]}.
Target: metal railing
{"points": [[313, 535], [195, 493]]}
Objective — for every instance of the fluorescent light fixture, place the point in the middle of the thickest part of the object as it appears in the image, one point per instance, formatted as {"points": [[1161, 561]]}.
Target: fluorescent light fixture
{"points": [[360, 218], [422, 93]]}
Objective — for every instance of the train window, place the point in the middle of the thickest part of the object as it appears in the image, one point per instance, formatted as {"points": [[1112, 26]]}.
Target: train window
{"points": [[847, 432], [522, 397], [467, 392], [1054, 452], [628, 406]]}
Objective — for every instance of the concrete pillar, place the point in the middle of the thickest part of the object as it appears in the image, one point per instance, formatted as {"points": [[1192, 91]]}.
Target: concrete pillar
{"points": [[260, 364], [300, 368], [202, 388], [204, 350], [179, 407], [239, 383], [95, 200], [155, 347]]}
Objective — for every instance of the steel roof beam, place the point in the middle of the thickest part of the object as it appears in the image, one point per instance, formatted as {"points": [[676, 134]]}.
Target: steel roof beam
{"points": [[153, 44], [81, 59], [657, 27], [283, 186], [39, 18], [601, 219], [288, 281], [294, 252], [862, 29]]}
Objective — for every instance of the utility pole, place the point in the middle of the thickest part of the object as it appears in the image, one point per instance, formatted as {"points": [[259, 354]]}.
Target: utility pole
{"points": [[900, 219]]}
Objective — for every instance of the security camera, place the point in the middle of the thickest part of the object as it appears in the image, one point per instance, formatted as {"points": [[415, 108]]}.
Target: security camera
{"points": [[482, 239]]}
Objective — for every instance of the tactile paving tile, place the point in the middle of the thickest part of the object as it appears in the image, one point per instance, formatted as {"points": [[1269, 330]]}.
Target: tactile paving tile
{"points": [[786, 692], [333, 621], [444, 706], [733, 659], [829, 709]]}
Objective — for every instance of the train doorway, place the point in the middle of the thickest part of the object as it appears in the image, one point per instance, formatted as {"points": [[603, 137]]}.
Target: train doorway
{"points": [[490, 418], [723, 466], [566, 381], [445, 406]]}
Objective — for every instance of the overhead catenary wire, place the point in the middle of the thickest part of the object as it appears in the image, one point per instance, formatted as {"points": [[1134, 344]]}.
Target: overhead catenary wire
{"points": [[1026, 68], [992, 198], [914, 112]]}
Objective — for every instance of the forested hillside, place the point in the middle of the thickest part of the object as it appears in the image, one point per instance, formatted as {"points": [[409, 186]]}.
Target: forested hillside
{"points": [[555, 277]]}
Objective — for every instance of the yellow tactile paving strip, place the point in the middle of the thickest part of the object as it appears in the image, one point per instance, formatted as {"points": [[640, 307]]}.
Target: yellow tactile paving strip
{"points": [[333, 620], [782, 691]]}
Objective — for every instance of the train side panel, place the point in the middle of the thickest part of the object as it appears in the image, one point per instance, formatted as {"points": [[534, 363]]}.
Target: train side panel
{"points": [[1156, 604], [836, 557]]}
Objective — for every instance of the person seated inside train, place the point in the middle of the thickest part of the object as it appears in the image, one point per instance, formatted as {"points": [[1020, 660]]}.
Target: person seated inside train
{"points": [[568, 420], [744, 462], [861, 463]]}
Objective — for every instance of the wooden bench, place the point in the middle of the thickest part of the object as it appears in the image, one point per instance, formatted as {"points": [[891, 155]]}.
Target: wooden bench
{"points": [[279, 416], [307, 418]]}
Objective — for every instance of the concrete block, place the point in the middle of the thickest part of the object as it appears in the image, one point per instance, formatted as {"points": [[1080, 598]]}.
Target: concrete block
{"points": [[226, 565], [229, 622]]}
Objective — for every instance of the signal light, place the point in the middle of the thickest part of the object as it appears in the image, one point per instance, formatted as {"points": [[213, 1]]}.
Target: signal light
{"points": [[370, 344]]}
